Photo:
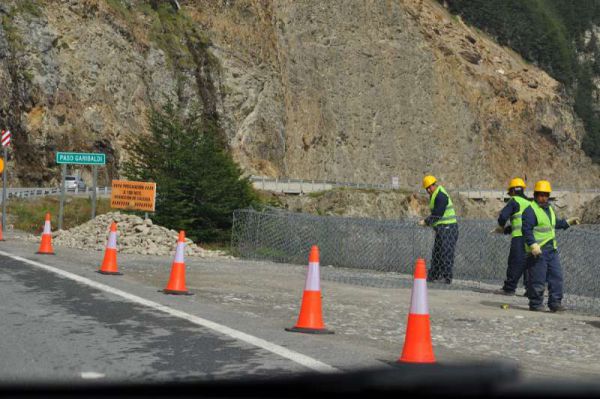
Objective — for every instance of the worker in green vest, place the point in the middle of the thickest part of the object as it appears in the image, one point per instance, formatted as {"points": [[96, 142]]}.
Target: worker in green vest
{"points": [[516, 257], [542, 262], [443, 221]]}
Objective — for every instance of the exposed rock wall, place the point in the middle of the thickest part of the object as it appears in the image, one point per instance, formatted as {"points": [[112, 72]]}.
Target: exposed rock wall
{"points": [[328, 90], [383, 204]]}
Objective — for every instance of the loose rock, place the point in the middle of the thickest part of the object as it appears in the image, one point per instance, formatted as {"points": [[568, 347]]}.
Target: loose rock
{"points": [[134, 236]]}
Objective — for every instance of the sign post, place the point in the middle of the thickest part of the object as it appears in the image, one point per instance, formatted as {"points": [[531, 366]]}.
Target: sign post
{"points": [[5, 139], [94, 183], [63, 184], [4, 190], [78, 158]]}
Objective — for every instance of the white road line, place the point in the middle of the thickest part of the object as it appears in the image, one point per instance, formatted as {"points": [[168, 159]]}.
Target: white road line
{"points": [[91, 375], [299, 358]]}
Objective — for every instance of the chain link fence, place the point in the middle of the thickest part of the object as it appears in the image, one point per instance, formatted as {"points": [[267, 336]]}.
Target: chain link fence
{"points": [[382, 253]]}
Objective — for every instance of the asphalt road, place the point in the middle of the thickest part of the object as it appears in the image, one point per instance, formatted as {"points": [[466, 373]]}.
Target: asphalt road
{"points": [[131, 331], [56, 329]]}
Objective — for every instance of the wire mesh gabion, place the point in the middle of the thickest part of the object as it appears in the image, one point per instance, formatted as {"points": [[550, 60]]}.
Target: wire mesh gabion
{"points": [[382, 252]]}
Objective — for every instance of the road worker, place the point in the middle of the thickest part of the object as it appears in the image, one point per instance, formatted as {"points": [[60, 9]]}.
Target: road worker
{"points": [[516, 257], [542, 262], [443, 221]]}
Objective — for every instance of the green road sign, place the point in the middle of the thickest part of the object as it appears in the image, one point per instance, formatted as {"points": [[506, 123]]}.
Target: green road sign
{"points": [[80, 158]]}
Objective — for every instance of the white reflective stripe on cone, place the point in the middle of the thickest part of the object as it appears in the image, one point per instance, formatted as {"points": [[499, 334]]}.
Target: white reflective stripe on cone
{"points": [[312, 278], [179, 252], [112, 240], [47, 229], [418, 302]]}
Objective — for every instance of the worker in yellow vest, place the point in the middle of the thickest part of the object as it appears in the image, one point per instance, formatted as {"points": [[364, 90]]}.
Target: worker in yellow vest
{"points": [[443, 221], [542, 263], [516, 257]]}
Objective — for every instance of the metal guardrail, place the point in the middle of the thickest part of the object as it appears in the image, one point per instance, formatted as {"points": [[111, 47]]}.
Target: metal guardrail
{"points": [[304, 186], [34, 192]]}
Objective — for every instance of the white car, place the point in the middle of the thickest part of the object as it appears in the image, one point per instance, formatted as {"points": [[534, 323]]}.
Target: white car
{"points": [[73, 182]]}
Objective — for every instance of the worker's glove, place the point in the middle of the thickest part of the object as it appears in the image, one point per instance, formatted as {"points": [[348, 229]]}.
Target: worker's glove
{"points": [[422, 223], [536, 250], [498, 230], [573, 221]]}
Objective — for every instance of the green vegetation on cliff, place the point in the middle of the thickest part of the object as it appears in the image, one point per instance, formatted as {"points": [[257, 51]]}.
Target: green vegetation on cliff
{"points": [[551, 34], [198, 184]]}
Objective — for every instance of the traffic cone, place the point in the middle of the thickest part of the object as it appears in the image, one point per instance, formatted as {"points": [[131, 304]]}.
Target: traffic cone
{"points": [[46, 244], [176, 285], [311, 319], [417, 343], [1, 233], [109, 264]]}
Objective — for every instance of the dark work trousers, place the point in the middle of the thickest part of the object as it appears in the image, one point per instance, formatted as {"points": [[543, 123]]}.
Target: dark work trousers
{"points": [[442, 258], [542, 269], [516, 265]]}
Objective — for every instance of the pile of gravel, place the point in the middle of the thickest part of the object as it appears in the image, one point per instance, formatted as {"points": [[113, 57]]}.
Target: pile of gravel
{"points": [[591, 212], [134, 236]]}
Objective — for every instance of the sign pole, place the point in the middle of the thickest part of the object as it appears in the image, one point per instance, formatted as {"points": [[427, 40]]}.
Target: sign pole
{"points": [[78, 158], [94, 183], [62, 196], [4, 189]]}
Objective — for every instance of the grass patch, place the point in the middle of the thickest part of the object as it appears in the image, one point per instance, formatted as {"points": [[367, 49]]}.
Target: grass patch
{"points": [[119, 7], [217, 246], [29, 7], [28, 214], [271, 253], [11, 32], [269, 199], [318, 194]]}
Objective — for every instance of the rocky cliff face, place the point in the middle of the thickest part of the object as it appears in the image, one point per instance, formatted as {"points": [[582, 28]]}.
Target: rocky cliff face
{"points": [[327, 90]]}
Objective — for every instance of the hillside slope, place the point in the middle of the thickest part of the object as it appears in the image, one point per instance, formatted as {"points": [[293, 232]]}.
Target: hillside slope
{"points": [[337, 90]]}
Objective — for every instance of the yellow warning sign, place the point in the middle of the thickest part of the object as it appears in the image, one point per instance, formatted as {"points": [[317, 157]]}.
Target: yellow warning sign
{"points": [[133, 195]]}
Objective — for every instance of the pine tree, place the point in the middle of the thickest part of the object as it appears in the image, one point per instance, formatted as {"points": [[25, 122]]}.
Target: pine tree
{"points": [[198, 183]]}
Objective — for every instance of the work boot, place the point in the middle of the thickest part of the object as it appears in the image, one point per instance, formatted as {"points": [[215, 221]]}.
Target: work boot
{"points": [[557, 309], [536, 309], [504, 292]]}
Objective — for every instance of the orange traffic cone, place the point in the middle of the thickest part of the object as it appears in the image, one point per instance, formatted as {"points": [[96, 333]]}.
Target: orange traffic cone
{"points": [[417, 343], [311, 319], [1, 233], [46, 244], [176, 285], [109, 264]]}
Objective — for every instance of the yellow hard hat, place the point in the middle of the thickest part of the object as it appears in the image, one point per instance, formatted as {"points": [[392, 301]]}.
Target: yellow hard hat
{"points": [[516, 182], [428, 181], [543, 186]]}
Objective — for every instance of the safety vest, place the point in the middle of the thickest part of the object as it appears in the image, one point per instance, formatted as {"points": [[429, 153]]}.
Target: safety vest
{"points": [[449, 216], [543, 232], [515, 220]]}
